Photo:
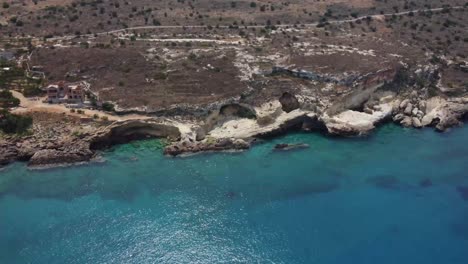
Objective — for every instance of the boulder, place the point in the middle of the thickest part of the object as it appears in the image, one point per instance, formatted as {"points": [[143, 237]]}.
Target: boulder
{"points": [[422, 106], [404, 103], [427, 120], [289, 102], [407, 121], [416, 122], [200, 133], [408, 109], [398, 117]]}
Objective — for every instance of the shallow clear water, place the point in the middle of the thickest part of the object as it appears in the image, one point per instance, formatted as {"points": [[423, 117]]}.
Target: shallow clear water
{"points": [[395, 197]]}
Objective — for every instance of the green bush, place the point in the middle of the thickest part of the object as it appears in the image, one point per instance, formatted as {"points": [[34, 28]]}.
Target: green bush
{"points": [[107, 106], [11, 123], [7, 99]]}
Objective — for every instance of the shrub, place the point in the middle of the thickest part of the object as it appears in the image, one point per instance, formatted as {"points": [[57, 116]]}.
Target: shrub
{"points": [[192, 56], [7, 100], [11, 123], [5, 5], [107, 106]]}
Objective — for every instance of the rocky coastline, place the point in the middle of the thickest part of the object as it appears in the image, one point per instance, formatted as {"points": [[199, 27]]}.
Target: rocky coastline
{"points": [[234, 124], [58, 140]]}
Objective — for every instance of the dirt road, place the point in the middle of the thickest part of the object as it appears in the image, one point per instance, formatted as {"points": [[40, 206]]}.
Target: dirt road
{"points": [[28, 105]]}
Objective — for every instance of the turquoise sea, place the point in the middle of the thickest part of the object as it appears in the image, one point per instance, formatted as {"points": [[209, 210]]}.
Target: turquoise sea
{"points": [[398, 196]]}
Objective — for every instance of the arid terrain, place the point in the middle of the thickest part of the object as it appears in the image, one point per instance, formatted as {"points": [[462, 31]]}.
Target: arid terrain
{"points": [[238, 70]]}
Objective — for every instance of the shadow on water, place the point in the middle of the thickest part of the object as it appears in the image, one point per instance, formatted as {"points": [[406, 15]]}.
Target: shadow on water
{"points": [[309, 189], [388, 182], [460, 226], [463, 191]]}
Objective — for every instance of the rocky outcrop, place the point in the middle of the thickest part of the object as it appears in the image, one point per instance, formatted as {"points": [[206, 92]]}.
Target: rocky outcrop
{"points": [[354, 123], [54, 157], [206, 145], [289, 102], [57, 140], [436, 111], [8, 152]]}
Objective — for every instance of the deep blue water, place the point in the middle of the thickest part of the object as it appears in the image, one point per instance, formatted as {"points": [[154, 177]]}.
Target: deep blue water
{"points": [[395, 197]]}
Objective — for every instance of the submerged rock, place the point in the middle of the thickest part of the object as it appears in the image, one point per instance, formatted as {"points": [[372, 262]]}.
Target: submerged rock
{"points": [[285, 146], [425, 183], [385, 182]]}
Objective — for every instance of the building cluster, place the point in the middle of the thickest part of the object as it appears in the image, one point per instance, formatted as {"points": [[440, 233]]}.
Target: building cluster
{"points": [[70, 93]]}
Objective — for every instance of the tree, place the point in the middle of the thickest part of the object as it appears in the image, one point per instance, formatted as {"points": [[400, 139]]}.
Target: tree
{"points": [[253, 4]]}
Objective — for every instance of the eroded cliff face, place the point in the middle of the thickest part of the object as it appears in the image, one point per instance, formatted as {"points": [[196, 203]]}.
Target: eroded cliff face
{"points": [[123, 132]]}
